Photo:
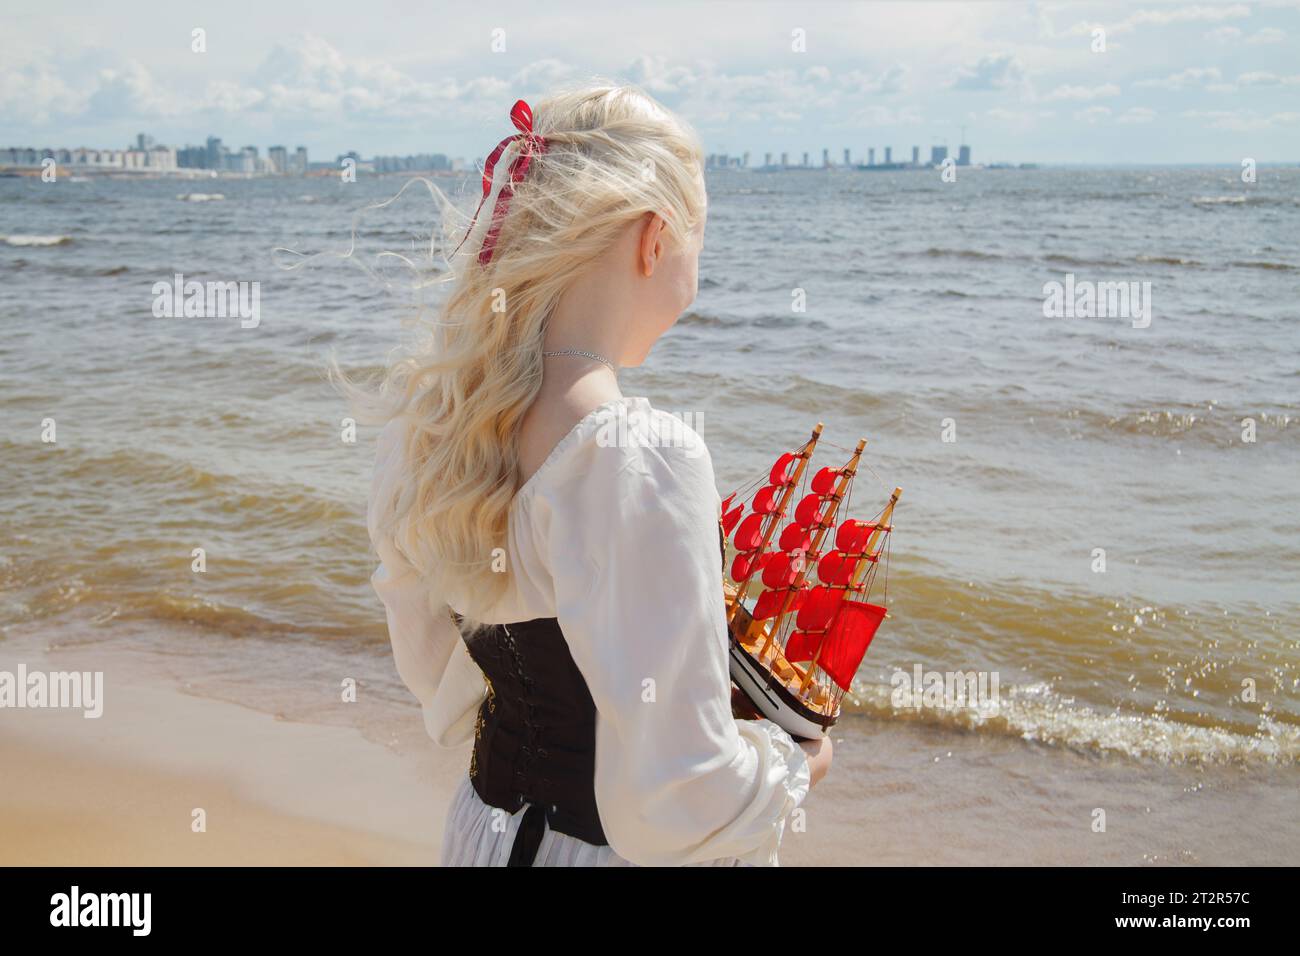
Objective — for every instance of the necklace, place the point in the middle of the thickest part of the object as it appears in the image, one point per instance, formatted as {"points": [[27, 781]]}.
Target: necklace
{"points": [[581, 354]]}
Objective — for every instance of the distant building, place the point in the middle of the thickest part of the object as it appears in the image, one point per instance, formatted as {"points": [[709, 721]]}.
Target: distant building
{"points": [[785, 159], [192, 157], [938, 154], [847, 161], [871, 156], [421, 162], [963, 155], [145, 155], [889, 155], [767, 159], [916, 155]]}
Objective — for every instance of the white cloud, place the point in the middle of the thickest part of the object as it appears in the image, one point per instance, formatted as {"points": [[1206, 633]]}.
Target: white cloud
{"points": [[1242, 121], [994, 71], [1136, 115], [1165, 17], [658, 77], [36, 93], [873, 116], [1093, 114], [1224, 34], [1019, 119], [892, 80], [131, 90], [1262, 37], [1083, 92], [1263, 78], [1265, 36], [1193, 76]]}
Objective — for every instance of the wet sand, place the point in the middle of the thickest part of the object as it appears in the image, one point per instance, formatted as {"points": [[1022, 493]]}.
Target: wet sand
{"points": [[121, 789]]}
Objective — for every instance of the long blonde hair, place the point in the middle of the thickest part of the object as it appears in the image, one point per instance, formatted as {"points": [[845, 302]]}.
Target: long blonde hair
{"points": [[612, 154]]}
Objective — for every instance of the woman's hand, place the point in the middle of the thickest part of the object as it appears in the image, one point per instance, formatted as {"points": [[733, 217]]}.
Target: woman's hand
{"points": [[819, 757]]}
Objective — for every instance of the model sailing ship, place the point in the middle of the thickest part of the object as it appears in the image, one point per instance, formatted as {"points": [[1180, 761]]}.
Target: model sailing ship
{"points": [[797, 645]]}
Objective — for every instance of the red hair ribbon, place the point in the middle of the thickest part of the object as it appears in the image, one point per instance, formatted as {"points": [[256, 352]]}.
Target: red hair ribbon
{"points": [[533, 145]]}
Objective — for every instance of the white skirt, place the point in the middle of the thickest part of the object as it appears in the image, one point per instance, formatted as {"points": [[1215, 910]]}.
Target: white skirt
{"points": [[469, 838]]}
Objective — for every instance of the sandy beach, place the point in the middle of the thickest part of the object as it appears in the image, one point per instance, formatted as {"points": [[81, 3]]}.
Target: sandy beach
{"points": [[282, 784], [121, 789]]}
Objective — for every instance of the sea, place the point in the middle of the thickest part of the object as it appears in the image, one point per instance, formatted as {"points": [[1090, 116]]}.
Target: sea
{"points": [[1100, 509]]}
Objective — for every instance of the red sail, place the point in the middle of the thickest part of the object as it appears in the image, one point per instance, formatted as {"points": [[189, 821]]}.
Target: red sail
{"points": [[853, 535], [802, 645], [809, 510], [743, 566], [824, 481], [780, 571], [817, 610], [730, 519], [765, 501], [834, 568], [795, 538], [750, 533], [770, 603], [846, 642], [781, 471]]}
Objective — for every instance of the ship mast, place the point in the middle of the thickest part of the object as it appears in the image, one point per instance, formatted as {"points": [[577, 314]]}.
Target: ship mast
{"points": [[803, 457], [870, 556], [814, 549]]}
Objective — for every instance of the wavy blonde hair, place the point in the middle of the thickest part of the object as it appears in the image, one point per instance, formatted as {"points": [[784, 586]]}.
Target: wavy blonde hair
{"points": [[612, 154]]}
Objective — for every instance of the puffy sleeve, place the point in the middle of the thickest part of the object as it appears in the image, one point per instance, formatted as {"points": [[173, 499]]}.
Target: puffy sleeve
{"points": [[430, 655], [633, 542]]}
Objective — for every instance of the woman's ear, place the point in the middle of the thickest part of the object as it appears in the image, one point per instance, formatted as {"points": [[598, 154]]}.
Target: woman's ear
{"points": [[651, 247]]}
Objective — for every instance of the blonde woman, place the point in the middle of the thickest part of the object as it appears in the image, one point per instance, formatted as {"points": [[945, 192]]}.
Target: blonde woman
{"points": [[550, 566]]}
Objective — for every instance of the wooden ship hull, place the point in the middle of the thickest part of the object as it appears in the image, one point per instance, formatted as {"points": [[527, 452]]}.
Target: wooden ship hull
{"points": [[772, 685]]}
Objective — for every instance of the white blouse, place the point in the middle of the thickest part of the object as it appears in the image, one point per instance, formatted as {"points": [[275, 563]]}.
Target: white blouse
{"points": [[616, 536]]}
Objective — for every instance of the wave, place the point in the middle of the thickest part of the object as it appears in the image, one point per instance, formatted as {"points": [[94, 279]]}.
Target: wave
{"points": [[1217, 202], [1035, 713], [30, 240], [935, 252], [1168, 261], [1279, 266], [201, 197], [1072, 261], [698, 318]]}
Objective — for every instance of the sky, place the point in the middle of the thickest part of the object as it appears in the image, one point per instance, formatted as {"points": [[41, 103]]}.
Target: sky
{"points": [[1177, 82]]}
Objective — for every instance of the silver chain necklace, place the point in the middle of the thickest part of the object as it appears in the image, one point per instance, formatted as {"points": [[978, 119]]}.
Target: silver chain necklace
{"points": [[581, 354]]}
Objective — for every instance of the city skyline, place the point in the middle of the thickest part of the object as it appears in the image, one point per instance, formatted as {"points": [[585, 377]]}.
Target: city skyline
{"points": [[1171, 82], [146, 154]]}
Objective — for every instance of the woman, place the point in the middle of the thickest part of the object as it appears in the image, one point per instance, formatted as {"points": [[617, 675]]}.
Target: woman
{"points": [[549, 564]]}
